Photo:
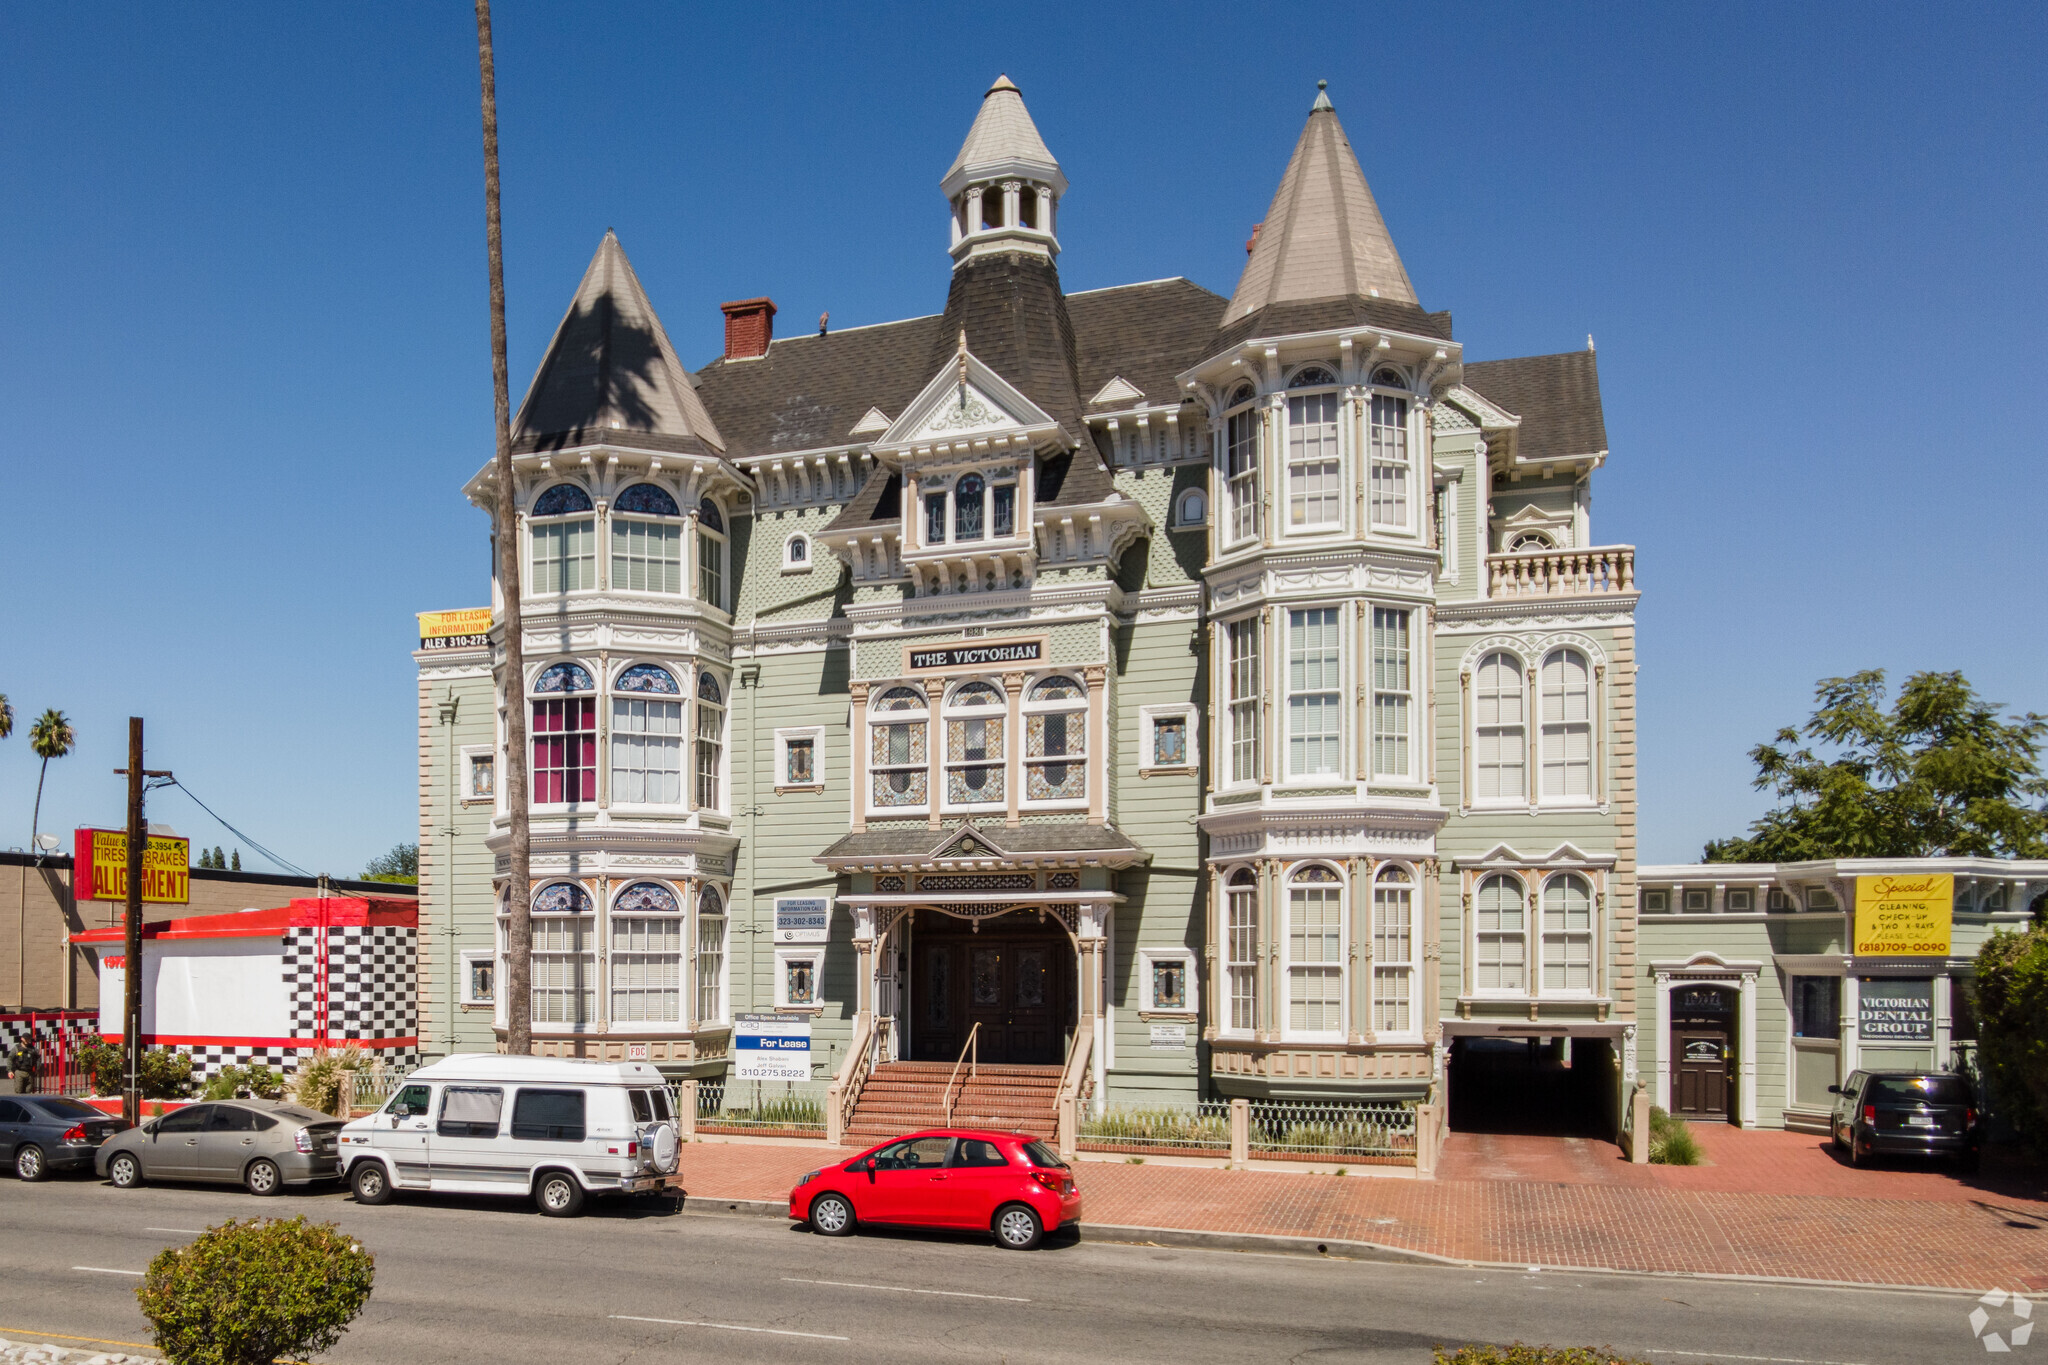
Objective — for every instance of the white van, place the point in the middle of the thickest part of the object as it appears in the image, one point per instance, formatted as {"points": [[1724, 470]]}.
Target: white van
{"points": [[478, 1123]]}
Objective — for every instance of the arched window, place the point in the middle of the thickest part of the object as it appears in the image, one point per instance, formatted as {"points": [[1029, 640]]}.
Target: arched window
{"points": [[1531, 542], [564, 736], [1567, 934], [1388, 477], [1567, 733], [1393, 950], [967, 508], [1500, 731], [1314, 476], [974, 745], [647, 541], [1241, 933], [1055, 741], [1500, 921], [710, 740], [1315, 951], [1387, 378], [1241, 464], [563, 534], [710, 554], [564, 966], [897, 762], [1191, 508], [711, 939], [646, 955], [647, 738], [796, 552]]}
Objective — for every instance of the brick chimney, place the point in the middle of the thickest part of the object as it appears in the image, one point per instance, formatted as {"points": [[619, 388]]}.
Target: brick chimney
{"points": [[1254, 239], [749, 326]]}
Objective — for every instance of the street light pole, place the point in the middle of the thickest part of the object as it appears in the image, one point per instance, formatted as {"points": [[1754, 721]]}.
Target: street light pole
{"points": [[131, 1005]]}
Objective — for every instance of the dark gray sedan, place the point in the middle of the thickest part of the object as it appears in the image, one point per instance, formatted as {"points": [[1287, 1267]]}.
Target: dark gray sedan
{"points": [[262, 1145], [45, 1133]]}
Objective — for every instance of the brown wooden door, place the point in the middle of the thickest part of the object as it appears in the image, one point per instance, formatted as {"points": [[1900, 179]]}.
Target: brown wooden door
{"points": [[1015, 986], [1700, 1063]]}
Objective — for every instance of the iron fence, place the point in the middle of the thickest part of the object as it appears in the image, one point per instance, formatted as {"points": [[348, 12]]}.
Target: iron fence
{"points": [[1291, 1128], [1204, 1128], [788, 1107]]}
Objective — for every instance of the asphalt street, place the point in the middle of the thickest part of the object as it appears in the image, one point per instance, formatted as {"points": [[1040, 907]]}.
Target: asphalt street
{"points": [[462, 1280]]}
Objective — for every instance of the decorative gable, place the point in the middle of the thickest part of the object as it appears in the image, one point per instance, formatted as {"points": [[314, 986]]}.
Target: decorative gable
{"points": [[967, 400], [1117, 390], [875, 421]]}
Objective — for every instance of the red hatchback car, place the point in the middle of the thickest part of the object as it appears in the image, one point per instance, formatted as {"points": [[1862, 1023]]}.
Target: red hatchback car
{"points": [[1009, 1183]]}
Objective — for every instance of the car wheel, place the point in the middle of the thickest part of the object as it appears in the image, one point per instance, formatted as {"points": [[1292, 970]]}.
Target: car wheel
{"points": [[558, 1195], [1018, 1228], [29, 1163], [371, 1183], [1858, 1156], [831, 1215], [263, 1177], [124, 1170]]}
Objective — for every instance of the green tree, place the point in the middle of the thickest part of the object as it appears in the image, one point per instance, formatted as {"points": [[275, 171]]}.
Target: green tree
{"points": [[237, 865], [50, 737], [1942, 772], [401, 864], [6, 716], [2012, 1028]]}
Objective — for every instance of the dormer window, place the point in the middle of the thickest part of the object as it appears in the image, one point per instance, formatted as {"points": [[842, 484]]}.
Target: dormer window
{"points": [[1002, 502], [935, 518]]}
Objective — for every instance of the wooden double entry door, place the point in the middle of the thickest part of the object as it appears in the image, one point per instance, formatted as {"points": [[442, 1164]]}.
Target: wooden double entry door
{"points": [[1015, 978], [1702, 1052]]}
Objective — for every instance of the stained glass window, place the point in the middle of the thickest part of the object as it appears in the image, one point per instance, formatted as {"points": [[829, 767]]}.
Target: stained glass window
{"points": [[644, 499], [647, 678], [564, 678], [564, 499]]}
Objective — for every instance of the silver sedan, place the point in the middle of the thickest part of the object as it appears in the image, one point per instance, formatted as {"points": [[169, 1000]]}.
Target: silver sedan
{"points": [[262, 1145]]}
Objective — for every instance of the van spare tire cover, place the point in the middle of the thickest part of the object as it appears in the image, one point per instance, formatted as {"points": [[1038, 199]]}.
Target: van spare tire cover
{"points": [[664, 1148]]}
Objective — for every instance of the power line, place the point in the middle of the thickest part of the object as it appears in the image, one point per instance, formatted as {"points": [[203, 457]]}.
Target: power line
{"points": [[281, 862]]}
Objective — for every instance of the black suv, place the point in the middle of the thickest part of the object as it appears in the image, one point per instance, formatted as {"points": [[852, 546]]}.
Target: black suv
{"points": [[1907, 1113]]}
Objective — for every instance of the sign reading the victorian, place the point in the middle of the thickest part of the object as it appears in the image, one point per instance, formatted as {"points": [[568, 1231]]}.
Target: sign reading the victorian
{"points": [[469, 628], [100, 869], [1904, 916], [973, 654]]}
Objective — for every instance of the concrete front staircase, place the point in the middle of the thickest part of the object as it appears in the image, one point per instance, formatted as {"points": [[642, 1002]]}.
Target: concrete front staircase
{"points": [[902, 1097]]}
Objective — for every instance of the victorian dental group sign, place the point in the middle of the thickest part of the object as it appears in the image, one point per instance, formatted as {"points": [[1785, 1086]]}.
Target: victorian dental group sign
{"points": [[99, 869], [1904, 916]]}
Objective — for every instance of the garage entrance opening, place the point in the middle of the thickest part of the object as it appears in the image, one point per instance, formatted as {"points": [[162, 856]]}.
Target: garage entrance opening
{"points": [[1012, 974], [1546, 1087]]}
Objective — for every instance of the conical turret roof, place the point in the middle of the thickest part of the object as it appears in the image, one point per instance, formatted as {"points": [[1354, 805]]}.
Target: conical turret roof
{"points": [[1003, 135], [1323, 237], [610, 374]]}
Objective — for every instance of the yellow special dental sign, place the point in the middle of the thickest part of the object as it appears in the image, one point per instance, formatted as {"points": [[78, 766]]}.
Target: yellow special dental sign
{"points": [[1904, 916]]}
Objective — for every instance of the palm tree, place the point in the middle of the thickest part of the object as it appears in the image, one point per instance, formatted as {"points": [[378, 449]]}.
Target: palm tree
{"points": [[518, 886], [50, 737], [6, 716]]}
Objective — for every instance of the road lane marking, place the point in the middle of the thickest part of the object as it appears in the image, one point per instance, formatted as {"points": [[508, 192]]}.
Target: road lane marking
{"points": [[905, 1289], [189, 1232], [102, 1270], [1769, 1360], [103, 1341], [729, 1327]]}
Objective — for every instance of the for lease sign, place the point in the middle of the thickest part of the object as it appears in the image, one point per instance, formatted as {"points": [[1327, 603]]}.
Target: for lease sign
{"points": [[99, 871], [771, 1047], [1904, 916]]}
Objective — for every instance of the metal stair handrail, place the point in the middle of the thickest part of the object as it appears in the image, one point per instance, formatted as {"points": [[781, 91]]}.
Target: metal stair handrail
{"points": [[973, 1046]]}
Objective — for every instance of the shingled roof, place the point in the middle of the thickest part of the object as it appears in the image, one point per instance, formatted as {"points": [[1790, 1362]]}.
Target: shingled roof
{"points": [[1556, 396], [809, 392], [917, 843], [610, 373], [1003, 134]]}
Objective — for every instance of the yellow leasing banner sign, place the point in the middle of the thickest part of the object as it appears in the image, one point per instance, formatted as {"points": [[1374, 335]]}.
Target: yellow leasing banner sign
{"points": [[99, 872], [468, 628], [1904, 916]]}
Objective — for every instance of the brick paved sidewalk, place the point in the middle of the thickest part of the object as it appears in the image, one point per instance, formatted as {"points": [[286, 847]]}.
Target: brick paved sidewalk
{"points": [[1774, 1204]]}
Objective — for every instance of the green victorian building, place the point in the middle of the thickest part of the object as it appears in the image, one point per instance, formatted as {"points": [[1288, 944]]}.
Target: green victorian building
{"points": [[1181, 696]]}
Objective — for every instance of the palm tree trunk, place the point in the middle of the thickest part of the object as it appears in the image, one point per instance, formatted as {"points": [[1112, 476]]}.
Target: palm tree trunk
{"points": [[512, 676], [35, 823]]}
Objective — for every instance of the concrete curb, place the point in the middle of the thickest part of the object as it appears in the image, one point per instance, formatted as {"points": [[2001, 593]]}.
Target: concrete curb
{"points": [[1273, 1244]]}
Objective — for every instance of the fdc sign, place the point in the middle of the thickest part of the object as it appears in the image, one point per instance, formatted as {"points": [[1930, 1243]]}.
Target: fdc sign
{"points": [[771, 1047]]}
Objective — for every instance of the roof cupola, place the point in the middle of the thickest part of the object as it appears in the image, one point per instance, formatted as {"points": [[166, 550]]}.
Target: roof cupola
{"points": [[1004, 187]]}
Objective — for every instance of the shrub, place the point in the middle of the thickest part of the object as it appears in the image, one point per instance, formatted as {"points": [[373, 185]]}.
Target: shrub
{"points": [[248, 1292], [228, 1082], [2012, 1030], [1671, 1140], [165, 1075], [1518, 1354], [1160, 1127], [317, 1083]]}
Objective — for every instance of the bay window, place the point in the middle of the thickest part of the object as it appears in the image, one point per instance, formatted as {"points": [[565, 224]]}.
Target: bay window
{"points": [[564, 736], [1567, 935], [647, 738], [710, 555], [1393, 951], [1392, 690], [1315, 951], [1500, 731], [1315, 707], [974, 745], [1241, 465], [1387, 458], [1567, 729], [563, 532], [1245, 698], [1241, 942], [1055, 740], [710, 956], [1501, 948], [646, 955], [1314, 481], [897, 765], [710, 740], [647, 541], [564, 963]]}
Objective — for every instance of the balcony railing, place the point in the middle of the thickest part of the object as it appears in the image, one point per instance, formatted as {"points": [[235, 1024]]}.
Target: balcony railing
{"points": [[1592, 572]]}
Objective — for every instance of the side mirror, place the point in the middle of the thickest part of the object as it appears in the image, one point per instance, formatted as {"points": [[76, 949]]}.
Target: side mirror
{"points": [[1834, 1090], [395, 1116]]}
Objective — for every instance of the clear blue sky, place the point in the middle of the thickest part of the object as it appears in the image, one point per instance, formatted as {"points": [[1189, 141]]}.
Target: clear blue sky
{"points": [[244, 349]]}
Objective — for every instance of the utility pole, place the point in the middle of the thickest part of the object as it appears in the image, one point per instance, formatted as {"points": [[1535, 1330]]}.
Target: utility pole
{"points": [[131, 1005]]}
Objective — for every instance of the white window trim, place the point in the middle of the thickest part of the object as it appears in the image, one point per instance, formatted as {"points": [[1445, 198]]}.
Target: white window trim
{"points": [[1453, 481], [609, 957], [1284, 1006], [813, 733], [1229, 537], [600, 549], [925, 716], [1186, 957], [1181, 520], [1418, 446], [613, 520], [1537, 750], [722, 779], [1317, 529], [1225, 962], [813, 953], [471, 956], [1226, 727], [1532, 774], [695, 921], [1283, 762], [1532, 963], [685, 740], [1087, 758], [1148, 721], [600, 769], [950, 711], [791, 565], [470, 754], [1593, 938], [1413, 692], [1413, 962]]}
